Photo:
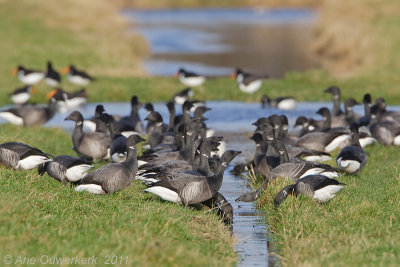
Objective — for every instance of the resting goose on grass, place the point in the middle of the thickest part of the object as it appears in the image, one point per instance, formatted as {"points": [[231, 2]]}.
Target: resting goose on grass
{"points": [[353, 158], [113, 177], [318, 187], [65, 168], [21, 156], [30, 115], [192, 189]]}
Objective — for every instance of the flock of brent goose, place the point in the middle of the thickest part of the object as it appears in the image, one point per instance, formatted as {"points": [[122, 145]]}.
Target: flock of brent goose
{"points": [[337, 130], [184, 163]]}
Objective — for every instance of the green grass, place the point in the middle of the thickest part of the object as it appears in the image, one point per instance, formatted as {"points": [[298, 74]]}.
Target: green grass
{"points": [[359, 227], [40, 216]]}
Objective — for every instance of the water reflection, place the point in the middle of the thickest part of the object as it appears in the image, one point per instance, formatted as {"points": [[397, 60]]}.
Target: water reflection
{"points": [[213, 41]]}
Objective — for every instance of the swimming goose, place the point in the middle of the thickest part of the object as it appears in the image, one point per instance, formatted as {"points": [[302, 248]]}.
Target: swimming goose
{"points": [[21, 95], [182, 96], [21, 156], [28, 77], [93, 146], [190, 79], [353, 158], [335, 91], [318, 187], [52, 77], [76, 76], [68, 100], [283, 102], [29, 115], [113, 177], [65, 168], [195, 188]]}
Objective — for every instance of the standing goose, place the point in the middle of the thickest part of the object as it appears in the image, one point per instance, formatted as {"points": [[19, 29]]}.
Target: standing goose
{"points": [[247, 82], [21, 156], [335, 91], [131, 124], [386, 132], [28, 77], [94, 146], [65, 168], [283, 102], [21, 95], [190, 79], [29, 115], [353, 158], [192, 189], [76, 76], [113, 177], [52, 77], [319, 187]]}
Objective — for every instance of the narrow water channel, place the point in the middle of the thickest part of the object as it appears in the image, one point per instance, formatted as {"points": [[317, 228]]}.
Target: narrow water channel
{"points": [[213, 41], [233, 121]]}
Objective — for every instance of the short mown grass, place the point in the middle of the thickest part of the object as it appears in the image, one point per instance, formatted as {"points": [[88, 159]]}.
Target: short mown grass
{"points": [[40, 216], [359, 227]]}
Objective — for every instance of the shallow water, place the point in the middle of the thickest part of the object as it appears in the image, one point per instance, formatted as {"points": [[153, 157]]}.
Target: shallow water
{"points": [[212, 41], [233, 121]]}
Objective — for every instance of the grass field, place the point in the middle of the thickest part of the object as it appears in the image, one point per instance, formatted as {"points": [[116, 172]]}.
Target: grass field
{"points": [[359, 227], [39, 216]]}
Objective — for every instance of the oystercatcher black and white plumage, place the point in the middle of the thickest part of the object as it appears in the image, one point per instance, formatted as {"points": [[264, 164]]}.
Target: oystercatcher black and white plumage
{"points": [[21, 156], [52, 77], [283, 102], [248, 82], [21, 95], [182, 96], [28, 77], [76, 76], [68, 100], [190, 78]]}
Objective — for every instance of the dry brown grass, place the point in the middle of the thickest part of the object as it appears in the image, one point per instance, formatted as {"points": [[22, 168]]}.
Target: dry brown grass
{"points": [[100, 25]]}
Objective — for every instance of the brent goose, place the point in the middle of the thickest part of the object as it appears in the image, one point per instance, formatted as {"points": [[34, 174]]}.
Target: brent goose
{"points": [[353, 158], [93, 146], [284, 102], [386, 132], [52, 77], [192, 189], [113, 177], [28, 77], [248, 82], [224, 208], [21, 95], [65, 168], [21, 156], [190, 78], [29, 115], [318, 187], [76, 76], [335, 91], [132, 121]]}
